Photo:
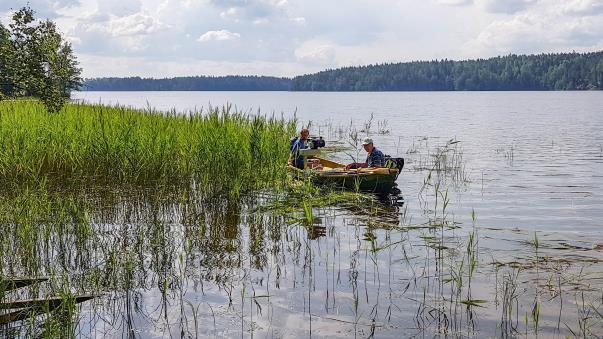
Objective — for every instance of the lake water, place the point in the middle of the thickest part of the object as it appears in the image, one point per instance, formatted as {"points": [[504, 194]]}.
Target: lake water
{"points": [[525, 165], [534, 159]]}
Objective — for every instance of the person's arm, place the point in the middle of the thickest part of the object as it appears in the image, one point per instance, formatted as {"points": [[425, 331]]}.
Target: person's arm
{"points": [[292, 154]]}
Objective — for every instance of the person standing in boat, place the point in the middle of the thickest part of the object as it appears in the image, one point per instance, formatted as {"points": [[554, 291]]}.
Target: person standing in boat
{"points": [[374, 159], [295, 157]]}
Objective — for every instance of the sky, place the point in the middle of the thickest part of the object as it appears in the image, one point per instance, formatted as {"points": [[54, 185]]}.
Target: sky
{"points": [[167, 38]]}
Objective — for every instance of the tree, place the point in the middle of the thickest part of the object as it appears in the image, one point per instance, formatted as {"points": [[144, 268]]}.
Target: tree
{"points": [[571, 71], [4, 60], [36, 61]]}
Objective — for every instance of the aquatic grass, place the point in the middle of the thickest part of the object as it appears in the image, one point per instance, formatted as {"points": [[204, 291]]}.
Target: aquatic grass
{"points": [[219, 150], [302, 195], [152, 250], [536, 307], [382, 127], [443, 163], [179, 241]]}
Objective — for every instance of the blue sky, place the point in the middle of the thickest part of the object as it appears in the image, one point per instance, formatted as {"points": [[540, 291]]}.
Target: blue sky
{"points": [[163, 38]]}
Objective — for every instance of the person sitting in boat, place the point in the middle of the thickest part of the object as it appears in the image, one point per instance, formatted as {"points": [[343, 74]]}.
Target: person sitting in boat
{"points": [[374, 159], [295, 157]]}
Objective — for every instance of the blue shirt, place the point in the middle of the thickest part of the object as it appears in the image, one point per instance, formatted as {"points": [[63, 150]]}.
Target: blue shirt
{"points": [[298, 159], [375, 158]]}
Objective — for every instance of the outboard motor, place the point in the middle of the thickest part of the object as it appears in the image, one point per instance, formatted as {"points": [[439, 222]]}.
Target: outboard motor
{"points": [[316, 142], [311, 142]]}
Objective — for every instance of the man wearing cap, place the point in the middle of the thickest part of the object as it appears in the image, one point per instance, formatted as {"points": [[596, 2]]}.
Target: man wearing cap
{"points": [[374, 159]]}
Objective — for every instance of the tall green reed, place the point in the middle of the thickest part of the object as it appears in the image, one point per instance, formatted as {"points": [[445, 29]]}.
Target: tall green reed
{"points": [[218, 150]]}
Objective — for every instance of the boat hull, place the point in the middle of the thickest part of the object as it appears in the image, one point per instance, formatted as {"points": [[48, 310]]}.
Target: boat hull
{"points": [[373, 180], [373, 183]]}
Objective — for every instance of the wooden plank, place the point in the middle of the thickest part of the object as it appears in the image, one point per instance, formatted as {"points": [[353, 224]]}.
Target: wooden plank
{"points": [[19, 315], [47, 303], [26, 309], [15, 283], [329, 163]]}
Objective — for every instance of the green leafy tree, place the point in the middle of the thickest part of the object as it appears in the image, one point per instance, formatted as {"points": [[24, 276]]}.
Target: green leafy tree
{"points": [[36, 61], [4, 60]]}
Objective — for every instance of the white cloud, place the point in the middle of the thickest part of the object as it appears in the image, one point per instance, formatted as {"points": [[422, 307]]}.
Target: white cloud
{"points": [[141, 66], [540, 29], [455, 2], [299, 20], [119, 7], [73, 40], [135, 24], [231, 13], [583, 7], [220, 35], [309, 35], [507, 6], [316, 52], [43, 8], [261, 21], [253, 11]]}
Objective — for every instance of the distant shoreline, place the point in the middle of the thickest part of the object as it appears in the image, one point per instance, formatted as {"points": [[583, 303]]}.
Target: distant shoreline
{"points": [[400, 91], [543, 72]]}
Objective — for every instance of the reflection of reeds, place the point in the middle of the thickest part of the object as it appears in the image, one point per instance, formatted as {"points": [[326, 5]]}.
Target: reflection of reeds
{"points": [[160, 242], [510, 304]]}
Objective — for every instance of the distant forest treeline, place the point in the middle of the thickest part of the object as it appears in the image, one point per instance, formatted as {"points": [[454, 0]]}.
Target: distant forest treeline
{"points": [[571, 71], [196, 83], [568, 71]]}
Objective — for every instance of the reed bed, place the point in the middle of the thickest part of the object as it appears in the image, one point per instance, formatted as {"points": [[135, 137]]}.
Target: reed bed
{"points": [[218, 150], [167, 262]]}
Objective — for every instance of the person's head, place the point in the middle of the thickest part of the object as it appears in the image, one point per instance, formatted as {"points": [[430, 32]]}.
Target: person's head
{"points": [[367, 144], [304, 133]]}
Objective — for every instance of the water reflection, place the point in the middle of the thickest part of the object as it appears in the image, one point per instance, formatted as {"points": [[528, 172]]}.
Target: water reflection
{"points": [[174, 264], [470, 251]]}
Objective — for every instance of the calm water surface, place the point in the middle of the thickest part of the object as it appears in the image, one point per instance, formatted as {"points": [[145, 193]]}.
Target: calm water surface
{"points": [[534, 159], [531, 164]]}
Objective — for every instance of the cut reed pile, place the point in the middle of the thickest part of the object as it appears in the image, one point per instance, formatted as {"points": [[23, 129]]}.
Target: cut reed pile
{"points": [[218, 150]]}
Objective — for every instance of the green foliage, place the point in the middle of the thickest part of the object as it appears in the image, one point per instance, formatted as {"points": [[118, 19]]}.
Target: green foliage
{"points": [[197, 83], [570, 71], [5, 60], [219, 151], [36, 61]]}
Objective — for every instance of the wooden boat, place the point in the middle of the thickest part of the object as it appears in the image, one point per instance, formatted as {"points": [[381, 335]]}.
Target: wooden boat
{"points": [[374, 180]]}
